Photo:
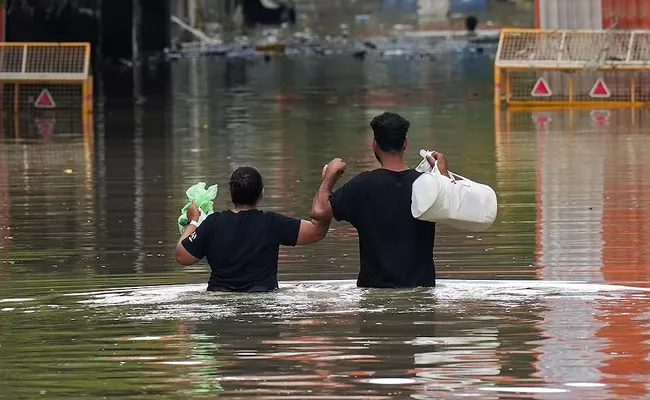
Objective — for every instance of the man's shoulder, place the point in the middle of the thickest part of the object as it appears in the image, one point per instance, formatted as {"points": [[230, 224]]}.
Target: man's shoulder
{"points": [[363, 177], [382, 174]]}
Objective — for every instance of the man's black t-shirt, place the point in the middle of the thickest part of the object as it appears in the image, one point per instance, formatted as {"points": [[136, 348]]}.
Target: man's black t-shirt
{"points": [[242, 248], [396, 250]]}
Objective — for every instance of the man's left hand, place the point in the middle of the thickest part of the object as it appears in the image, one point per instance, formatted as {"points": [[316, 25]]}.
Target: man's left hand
{"points": [[441, 160]]}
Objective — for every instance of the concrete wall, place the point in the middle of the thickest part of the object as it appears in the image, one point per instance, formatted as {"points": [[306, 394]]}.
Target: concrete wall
{"points": [[593, 14], [574, 14]]}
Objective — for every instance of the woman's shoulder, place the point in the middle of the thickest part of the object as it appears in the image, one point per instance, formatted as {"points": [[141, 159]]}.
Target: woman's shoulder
{"points": [[213, 217], [274, 215], [270, 214]]}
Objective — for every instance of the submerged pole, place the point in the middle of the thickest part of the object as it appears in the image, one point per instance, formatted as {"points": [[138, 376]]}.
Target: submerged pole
{"points": [[136, 28], [135, 31], [191, 12]]}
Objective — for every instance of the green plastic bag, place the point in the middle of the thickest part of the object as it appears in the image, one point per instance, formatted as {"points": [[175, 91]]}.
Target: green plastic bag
{"points": [[204, 200]]}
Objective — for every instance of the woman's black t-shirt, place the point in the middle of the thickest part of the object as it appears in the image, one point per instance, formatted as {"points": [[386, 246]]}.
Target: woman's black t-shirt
{"points": [[242, 248]]}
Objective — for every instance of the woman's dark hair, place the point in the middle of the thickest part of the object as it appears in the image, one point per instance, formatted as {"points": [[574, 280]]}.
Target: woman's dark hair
{"points": [[246, 186]]}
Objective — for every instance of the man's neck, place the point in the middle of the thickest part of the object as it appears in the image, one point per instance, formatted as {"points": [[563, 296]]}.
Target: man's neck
{"points": [[394, 163]]}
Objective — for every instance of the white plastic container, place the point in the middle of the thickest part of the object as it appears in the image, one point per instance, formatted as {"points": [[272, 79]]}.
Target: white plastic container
{"points": [[458, 202]]}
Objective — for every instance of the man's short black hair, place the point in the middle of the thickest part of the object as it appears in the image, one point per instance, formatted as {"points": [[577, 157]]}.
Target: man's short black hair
{"points": [[246, 186], [390, 131]]}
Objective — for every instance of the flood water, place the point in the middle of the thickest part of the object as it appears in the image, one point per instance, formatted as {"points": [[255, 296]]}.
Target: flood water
{"points": [[552, 302]]}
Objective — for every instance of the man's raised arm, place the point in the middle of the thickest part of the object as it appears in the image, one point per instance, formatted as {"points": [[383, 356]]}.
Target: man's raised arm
{"points": [[321, 209]]}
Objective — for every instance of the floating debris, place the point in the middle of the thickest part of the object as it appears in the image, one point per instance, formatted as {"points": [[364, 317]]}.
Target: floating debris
{"points": [[357, 50], [402, 42]]}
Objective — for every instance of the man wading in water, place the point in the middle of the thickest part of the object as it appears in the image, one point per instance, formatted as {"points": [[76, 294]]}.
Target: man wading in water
{"points": [[242, 244], [396, 250]]}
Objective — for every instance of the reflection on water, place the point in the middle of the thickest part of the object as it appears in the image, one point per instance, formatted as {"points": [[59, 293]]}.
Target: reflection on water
{"points": [[591, 197], [321, 338], [92, 303]]}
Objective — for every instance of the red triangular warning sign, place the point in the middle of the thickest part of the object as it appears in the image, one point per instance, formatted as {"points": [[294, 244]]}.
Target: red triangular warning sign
{"points": [[45, 127], [45, 100], [541, 89], [600, 89]]}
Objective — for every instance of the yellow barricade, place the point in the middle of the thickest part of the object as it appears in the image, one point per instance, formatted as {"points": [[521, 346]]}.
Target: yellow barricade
{"points": [[562, 68], [40, 82]]}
